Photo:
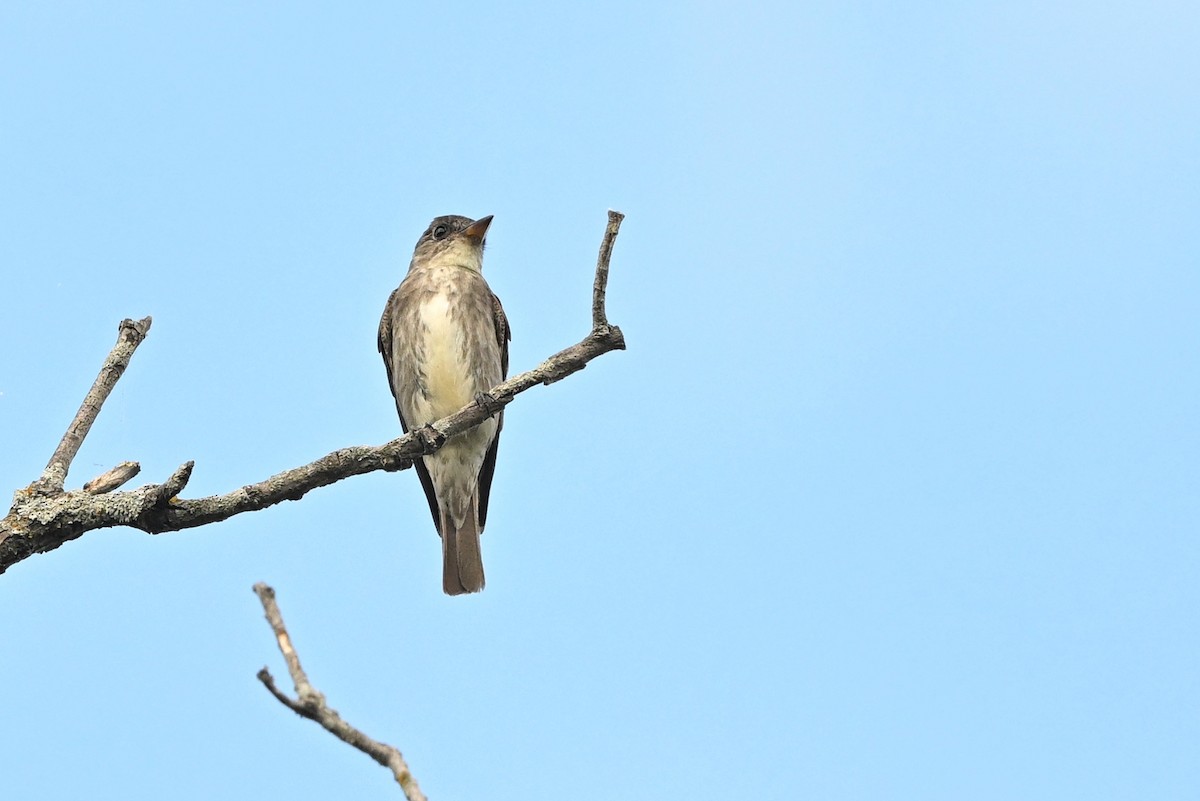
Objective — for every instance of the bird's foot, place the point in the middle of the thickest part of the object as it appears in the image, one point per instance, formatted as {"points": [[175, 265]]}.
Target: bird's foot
{"points": [[488, 403], [431, 438]]}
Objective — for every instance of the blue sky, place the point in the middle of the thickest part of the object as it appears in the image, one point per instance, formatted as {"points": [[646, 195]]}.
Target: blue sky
{"points": [[893, 494]]}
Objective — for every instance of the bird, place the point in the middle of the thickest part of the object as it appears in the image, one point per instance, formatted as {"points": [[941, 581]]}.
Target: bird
{"points": [[444, 341]]}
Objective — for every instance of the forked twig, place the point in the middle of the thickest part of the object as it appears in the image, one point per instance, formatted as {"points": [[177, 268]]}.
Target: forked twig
{"points": [[311, 704]]}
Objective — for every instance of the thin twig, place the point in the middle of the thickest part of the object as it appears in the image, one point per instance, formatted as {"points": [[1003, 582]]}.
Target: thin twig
{"points": [[600, 287], [130, 334], [304, 689], [311, 704], [107, 482]]}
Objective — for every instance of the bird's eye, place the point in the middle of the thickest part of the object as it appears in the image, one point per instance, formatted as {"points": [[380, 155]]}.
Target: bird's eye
{"points": [[439, 231]]}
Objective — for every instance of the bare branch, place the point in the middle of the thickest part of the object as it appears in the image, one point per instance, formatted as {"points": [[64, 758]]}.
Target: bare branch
{"points": [[129, 335], [311, 704], [304, 689], [41, 520], [107, 482], [600, 287]]}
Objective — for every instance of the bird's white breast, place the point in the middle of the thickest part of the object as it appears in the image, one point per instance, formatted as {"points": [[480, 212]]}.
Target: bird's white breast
{"points": [[447, 373]]}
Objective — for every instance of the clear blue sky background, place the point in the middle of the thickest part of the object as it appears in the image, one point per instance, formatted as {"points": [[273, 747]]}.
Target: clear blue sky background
{"points": [[893, 495]]}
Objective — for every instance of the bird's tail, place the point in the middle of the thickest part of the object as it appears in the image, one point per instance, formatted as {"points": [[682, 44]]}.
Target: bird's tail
{"points": [[462, 561]]}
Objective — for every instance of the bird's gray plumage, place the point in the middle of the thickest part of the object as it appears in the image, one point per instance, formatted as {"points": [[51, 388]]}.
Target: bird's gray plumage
{"points": [[444, 340]]}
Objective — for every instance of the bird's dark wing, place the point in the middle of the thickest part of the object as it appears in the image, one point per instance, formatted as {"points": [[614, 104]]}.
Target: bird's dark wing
{"points": [[386, 332], [503, 335]]}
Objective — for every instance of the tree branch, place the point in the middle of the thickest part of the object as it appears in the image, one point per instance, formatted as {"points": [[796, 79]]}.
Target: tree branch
{"points": [[129, 335], [43, 516], [600, 287], [309, 703], [107, 482]]}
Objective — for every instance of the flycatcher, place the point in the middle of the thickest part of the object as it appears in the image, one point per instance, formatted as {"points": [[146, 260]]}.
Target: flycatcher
{"points": [[444, 340]]}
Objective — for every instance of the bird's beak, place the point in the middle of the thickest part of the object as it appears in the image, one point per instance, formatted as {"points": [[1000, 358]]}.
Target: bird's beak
{"points": [[477, 230]]}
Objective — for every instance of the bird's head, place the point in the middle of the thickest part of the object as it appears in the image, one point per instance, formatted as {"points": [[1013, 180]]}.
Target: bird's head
{"points": [[452, 240]]}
